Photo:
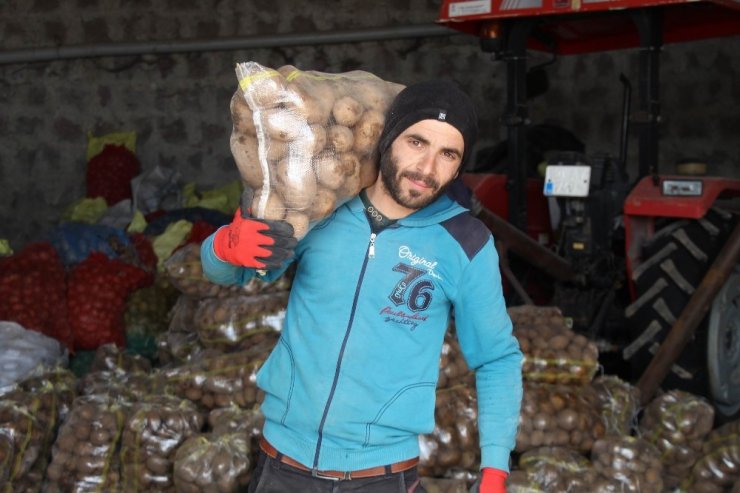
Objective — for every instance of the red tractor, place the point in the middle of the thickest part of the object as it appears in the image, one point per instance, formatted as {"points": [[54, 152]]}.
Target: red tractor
{"points": [[647, 266]]}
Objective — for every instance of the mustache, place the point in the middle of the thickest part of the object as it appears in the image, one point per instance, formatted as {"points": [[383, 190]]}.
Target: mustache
{"points": [[426, 180]]}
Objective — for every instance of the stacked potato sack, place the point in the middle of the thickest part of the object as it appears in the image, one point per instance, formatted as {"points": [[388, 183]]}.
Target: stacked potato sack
{"points": [[628, 463], [619, 464], [157, 426], [84, 455], [718, 467], [452, 447], [123, 429], [30, 415], [677, 423], [454, 442], [221, 459], [619, 403], [558, 407], [306, 141], [211, 316], [218, 319], [550, 469]]}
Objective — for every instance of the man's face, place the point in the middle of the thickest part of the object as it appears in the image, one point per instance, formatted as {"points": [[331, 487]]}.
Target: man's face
{"points": [[421, 163]]}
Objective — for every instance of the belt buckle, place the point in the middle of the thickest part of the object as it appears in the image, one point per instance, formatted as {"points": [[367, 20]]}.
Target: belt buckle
{"points": [[317, 474]]}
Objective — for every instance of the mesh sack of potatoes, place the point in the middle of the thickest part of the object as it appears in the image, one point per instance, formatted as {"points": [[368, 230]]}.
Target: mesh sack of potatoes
{"points": [[214, 379], [239, 321], [718, 467], [147, 308], [125, 387], [48, 398], [552, 352], [619, 403], [632, 462], [218, 463], [552, 470], [155, 428], [453, 444], [453, 369], [85, 453], [233, 419], [7, 458], [184, 270], [108, 357], [306, 141], [180, 342], [559, 415], [444, 485], [26, 434], [677, 423]]}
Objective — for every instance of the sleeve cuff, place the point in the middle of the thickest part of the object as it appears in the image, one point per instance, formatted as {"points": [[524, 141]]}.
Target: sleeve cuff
{"points": [[496, 457]]}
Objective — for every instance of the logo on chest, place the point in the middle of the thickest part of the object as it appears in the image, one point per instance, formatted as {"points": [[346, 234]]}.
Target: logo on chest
{"points": [[414, 292]]}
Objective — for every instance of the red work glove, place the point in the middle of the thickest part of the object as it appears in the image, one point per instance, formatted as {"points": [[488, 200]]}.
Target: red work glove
{"points": [[493, 480], [254, 243]]}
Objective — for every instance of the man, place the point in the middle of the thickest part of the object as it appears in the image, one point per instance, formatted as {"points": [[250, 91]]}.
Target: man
{"points": [[351, 383]]}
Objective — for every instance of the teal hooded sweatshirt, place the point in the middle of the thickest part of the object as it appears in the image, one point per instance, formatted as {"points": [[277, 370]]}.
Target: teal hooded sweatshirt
{"points": [[351, 382]]}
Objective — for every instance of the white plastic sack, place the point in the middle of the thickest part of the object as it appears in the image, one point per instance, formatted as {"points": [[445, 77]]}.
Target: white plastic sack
{"points": [[24, 351]]}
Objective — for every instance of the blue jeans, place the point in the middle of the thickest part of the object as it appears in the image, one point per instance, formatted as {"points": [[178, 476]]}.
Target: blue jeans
{"points": [[272, 476]]}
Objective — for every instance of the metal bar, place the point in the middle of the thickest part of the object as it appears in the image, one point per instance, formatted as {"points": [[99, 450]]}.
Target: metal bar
{"points": [[650, 26], [691, 316], [516, 119], [509, 275], [225, 44], [524, 246]]}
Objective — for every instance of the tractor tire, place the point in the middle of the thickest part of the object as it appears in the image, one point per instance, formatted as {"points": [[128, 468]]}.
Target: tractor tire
{"points": [[674, 262], [723, 348]]}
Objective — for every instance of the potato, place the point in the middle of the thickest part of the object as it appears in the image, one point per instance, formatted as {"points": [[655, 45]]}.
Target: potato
{"points": [[273, 209], [242, 116], [351, 185], [283, 124], [296, 183], [367, 132], [323, 204], [339, 138], [299, 222], [346, 111], [245, 150], [317, 138], [276, 150], [332, 170], [298, 101]]}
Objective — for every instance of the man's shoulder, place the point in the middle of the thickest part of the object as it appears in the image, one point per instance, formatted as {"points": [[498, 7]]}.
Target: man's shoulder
{"points": [[468, 231]]}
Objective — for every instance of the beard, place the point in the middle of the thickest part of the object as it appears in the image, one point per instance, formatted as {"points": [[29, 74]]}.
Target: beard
{"points": [[412, 199]]}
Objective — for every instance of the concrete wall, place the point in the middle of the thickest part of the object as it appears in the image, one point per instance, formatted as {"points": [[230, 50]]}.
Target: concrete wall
{"points": [[178, 104]]}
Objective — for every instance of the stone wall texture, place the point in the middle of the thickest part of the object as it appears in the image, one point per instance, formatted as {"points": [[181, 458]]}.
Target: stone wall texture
{"points": [[178, 103]]}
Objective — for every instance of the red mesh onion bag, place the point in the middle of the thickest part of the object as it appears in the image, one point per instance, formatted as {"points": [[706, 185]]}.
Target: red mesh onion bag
{"points": [[33, 291], [109, 173], [96, 299]]}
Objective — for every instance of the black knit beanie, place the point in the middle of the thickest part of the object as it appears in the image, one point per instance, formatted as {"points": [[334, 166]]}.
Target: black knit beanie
{"points": [[441, 100]]}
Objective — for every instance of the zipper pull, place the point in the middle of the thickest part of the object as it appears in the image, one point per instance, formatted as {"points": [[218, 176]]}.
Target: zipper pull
{"points": [[371, 249]]}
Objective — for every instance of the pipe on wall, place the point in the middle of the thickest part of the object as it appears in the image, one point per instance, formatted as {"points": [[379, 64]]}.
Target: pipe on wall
{"points": [[29, 55]]}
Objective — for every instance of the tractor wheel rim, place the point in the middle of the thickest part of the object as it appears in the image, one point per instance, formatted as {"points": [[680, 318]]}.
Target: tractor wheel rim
{"points": [[723, 346]]}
